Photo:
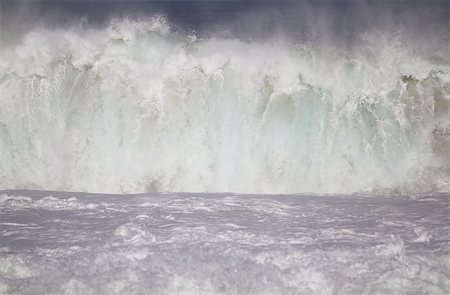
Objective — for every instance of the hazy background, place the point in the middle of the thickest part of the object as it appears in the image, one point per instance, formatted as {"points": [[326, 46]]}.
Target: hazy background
{"points": [[424, 22]]}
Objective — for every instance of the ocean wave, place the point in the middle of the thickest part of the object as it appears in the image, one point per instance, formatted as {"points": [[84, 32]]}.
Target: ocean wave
{"points": [[139, 107]]}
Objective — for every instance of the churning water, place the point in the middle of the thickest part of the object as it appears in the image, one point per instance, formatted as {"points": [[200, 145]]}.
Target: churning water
{"points": [[136, 107], [67, 243], [344, 99]]}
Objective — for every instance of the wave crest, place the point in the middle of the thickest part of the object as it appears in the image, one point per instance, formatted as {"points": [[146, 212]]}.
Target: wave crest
{"points": [[136, 107]]}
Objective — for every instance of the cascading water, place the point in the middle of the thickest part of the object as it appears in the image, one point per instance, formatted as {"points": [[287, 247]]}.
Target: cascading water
{"points": [[316, 98], [138, 107]]}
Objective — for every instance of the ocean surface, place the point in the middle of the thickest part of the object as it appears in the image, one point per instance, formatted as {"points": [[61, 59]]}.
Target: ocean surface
{"points": [[328, 120], [78, 243]]}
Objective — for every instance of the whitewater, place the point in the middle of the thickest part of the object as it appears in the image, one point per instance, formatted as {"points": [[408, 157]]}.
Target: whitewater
{"points": [[74, 243], [138, 157], [137, 106]]}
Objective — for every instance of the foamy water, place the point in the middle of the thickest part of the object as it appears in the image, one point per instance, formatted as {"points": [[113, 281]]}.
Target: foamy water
{"points": [[67, 243], [343, 104], [137, 106]]}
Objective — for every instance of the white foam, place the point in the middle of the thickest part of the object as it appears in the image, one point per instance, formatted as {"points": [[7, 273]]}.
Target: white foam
{"points": [[137, 107]]}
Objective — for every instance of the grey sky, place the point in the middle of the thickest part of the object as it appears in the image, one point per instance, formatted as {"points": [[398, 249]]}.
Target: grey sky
{"points": [[425, 21]]}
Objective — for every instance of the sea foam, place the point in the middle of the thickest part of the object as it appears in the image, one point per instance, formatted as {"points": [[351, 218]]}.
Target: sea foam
{"points": [[136, 107]]}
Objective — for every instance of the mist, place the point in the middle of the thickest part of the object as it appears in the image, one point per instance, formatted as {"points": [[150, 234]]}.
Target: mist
{"points": [[420, 24]]}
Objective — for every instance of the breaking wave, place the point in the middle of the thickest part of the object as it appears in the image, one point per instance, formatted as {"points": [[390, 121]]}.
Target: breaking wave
{"points": [[136, 107]]}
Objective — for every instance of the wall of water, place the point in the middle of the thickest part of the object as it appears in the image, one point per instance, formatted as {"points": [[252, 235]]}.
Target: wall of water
{"points": [[137, 106]]}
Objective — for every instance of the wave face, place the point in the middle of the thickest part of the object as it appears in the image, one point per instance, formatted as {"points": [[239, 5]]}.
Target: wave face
{"points": [[137, 107]]}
